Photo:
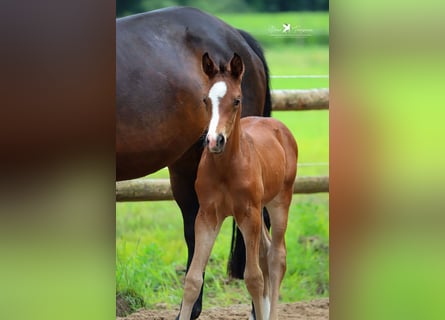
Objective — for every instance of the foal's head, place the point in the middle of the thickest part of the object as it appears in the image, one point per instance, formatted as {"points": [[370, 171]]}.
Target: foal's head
{"points": [[223, 100]]}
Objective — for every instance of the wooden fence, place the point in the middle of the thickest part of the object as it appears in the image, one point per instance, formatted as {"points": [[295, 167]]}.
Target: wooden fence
{"points": [[310, 99], [159, 189]]}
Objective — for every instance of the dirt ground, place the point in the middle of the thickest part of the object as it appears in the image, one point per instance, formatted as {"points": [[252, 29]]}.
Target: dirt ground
{"points": [[308, 310]]}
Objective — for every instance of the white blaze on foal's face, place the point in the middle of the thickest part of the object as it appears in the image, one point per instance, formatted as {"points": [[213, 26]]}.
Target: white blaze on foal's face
{"points": [[216, 93], [225, 97]]}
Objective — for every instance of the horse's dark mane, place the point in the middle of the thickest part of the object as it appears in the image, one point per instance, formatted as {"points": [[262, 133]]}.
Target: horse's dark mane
{"points": [[259, 52]]}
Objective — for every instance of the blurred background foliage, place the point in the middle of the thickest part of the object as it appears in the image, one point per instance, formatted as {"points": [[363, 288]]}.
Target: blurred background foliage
{"points": [[261, 18], [127, 7]]}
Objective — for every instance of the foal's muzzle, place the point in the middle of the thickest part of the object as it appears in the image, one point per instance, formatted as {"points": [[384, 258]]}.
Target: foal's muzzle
{"points": [[216, 145]]}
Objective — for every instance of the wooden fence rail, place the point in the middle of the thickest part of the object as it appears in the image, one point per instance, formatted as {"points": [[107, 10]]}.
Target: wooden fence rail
{"points": [[159, 189], [308, 99]]}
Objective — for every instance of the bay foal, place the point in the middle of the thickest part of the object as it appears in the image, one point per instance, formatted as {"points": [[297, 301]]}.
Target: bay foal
{"points": [[247, 164]]}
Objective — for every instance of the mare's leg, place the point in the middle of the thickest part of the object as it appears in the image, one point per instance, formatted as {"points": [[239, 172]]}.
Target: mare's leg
{"points": [[182, 179], [206, 230], [279, 209], [250, 224]]}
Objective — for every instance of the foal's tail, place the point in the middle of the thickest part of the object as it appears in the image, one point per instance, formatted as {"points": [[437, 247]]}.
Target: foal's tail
{"points": [[237, 258]]}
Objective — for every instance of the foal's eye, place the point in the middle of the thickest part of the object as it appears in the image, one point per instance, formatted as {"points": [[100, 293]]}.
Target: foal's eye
{"points": [[236, 102], [204, 99]]}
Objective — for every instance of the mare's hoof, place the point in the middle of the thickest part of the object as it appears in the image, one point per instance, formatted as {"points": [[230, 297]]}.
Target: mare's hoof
{"points": [[196, 312], [252, 313]]}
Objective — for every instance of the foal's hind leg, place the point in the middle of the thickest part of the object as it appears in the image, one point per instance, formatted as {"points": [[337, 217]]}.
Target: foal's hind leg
{"points": [[206, 229], [250, 226], [265, 243], [264, 249], [279, 209]]}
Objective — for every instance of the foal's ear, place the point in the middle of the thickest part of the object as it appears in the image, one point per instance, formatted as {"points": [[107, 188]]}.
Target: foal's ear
{"points": [[236, 67], [208, 66]]}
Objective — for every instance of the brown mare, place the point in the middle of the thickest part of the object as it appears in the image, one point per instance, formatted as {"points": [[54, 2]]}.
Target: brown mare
{"points": [[161, 118], [248, 163]]}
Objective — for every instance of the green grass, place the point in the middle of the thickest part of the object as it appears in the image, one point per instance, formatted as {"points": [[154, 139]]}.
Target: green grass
{"points": [[289, 60], [295, 56], [151, 254], [311, 130], [266, 26], [260, 22], [150, 248]]}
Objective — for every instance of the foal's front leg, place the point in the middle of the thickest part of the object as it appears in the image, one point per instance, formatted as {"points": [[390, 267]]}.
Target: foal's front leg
{"points": [[207, 227]]}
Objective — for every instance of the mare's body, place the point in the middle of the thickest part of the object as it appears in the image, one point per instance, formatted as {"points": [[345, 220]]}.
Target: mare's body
{"points": [[160, 113]]}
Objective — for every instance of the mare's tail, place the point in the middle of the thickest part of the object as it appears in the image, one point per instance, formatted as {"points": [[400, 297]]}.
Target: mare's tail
{"points": [[259, 52], [237, 258]]}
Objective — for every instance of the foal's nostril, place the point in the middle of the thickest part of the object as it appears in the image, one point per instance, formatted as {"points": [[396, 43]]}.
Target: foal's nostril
{"points": [[220, 140]]}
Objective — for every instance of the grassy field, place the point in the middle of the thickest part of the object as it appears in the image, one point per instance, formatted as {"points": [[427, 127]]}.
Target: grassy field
{"points": [[290, 56], [311, 27], [151, 252]]}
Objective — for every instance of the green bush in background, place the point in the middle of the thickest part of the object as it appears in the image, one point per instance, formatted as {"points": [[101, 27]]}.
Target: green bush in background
{"points": [[126, 7]]}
